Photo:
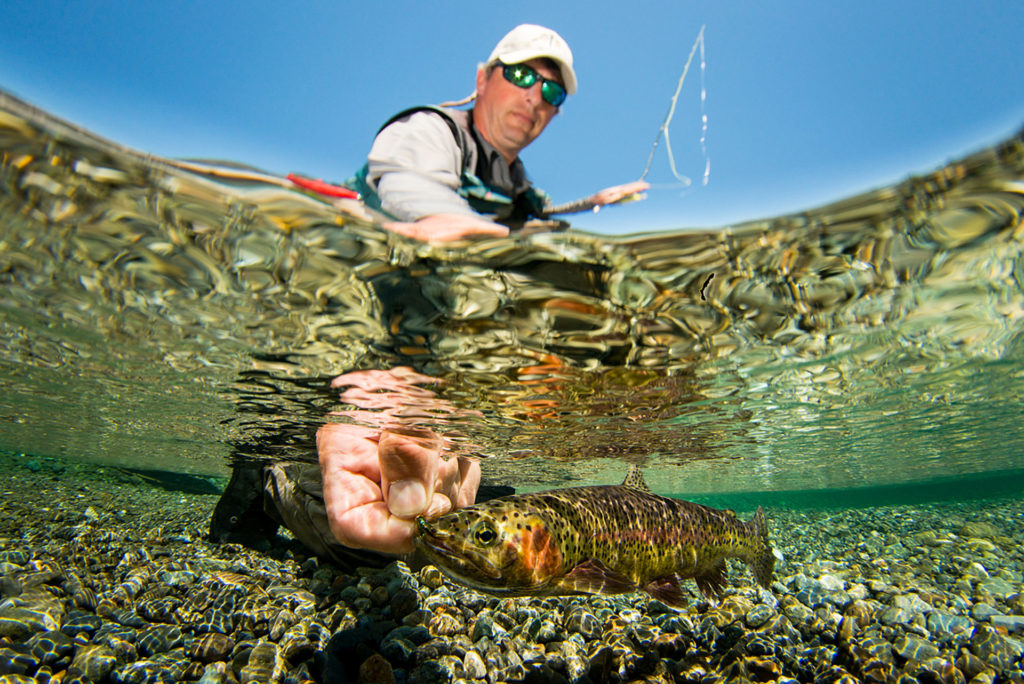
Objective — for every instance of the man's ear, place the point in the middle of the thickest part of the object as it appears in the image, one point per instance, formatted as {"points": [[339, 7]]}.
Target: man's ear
{"points": [[481, 80]]}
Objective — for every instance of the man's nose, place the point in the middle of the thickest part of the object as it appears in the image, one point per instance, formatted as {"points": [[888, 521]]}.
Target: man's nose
{"points": [[533, 95]]}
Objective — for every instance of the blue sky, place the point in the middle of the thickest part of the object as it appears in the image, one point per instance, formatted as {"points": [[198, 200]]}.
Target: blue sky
{"points": [[807, 102]]}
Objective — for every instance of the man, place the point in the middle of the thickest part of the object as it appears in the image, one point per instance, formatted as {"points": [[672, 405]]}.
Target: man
{"points": [[447, 174]]}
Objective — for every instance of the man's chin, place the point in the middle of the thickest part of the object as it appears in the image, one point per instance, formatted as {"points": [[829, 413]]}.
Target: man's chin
{"points": [[521, 130], [520, 138]]}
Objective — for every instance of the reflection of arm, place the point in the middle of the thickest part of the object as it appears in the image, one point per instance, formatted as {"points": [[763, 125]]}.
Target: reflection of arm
{"points": [[416, 166]]}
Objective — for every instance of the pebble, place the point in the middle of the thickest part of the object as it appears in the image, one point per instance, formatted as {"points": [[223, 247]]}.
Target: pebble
{"points": [[19, 623], [983, 530], [983, 612], [912, 604], [445, 625], [214, 673], [758, 615], [376, 670], [211, 647], [944, 624], [93, 661], [474, 665], [583, 622], [109, 603], [910, 647], [976, 571], [1000, 653], [1011, 623], [997, 587]]}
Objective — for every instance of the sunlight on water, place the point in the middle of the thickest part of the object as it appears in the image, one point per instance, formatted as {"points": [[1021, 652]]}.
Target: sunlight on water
{"points": [[161, 318]]}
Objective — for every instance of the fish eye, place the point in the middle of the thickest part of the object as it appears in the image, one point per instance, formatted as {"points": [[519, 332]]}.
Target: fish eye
{"points": [[485, 534]]}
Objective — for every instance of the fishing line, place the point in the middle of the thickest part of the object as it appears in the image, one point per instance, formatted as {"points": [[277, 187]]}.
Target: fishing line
{"points": [[663, 131]]}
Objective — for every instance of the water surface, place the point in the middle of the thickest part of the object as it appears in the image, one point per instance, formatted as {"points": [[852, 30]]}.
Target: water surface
{"points": [[160, 318]]}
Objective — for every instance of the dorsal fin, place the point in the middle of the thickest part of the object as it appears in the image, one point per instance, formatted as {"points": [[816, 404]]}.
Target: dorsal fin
{"points": [[635, 480]]}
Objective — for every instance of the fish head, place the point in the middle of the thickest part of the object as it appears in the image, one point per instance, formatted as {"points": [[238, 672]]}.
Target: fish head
{"points": [[493, 547]]}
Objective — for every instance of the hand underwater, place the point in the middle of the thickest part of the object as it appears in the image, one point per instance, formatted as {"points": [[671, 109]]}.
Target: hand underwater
{"points": [[376, 481]]}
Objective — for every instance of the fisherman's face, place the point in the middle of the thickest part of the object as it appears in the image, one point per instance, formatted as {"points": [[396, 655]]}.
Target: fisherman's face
{"points": [[510, 117]]}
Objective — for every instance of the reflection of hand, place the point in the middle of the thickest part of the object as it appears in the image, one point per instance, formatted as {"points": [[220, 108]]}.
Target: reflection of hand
{"points": [[448, 227], [389, 397], [618, 193], [377, 481]]}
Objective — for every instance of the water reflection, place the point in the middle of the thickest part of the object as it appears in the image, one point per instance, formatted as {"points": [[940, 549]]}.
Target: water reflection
{"points": [[167, 317]]}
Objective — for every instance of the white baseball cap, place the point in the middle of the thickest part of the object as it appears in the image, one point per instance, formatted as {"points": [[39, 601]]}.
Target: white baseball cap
{"points": [[530, 41]]}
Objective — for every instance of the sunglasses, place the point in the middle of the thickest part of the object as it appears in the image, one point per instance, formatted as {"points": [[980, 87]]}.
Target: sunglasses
{"points": [[524, 76]]}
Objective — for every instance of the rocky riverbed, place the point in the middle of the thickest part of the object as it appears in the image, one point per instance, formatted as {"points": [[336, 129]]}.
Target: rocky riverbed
{"points": [[106, 576]]}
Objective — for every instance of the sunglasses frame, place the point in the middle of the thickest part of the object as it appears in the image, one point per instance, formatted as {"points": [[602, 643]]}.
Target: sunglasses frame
{"points": [[530, 77]]}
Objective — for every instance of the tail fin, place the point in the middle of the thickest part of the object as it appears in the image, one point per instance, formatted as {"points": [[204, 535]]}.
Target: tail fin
{"points": [[762, 559]]}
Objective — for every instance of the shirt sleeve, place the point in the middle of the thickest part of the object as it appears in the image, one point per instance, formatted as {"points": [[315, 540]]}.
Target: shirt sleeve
{"points": [[416, 166]]}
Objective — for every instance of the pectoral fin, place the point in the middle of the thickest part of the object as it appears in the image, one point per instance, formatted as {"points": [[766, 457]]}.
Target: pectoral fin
{"points": [[594, 577]]}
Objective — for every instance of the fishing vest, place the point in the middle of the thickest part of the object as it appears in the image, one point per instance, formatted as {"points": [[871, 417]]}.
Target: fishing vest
{"points": [[475, 186]]}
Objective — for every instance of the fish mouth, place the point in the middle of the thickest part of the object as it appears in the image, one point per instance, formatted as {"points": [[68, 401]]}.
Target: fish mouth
{"points": [[461, 564]]}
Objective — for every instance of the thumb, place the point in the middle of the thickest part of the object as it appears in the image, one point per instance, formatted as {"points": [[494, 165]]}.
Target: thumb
{"points": [[408, 467]]}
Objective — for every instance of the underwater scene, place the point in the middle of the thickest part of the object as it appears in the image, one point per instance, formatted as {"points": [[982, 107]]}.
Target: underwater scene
{"points": [[839, 394]]}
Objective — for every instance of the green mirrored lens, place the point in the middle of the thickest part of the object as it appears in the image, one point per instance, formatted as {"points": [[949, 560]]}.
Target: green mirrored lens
{"points": [[524, 77], [520, 75], [553, 93]]}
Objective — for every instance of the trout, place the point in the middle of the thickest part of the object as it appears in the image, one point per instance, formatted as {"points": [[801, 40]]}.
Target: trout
{"points": [[595, 540]]}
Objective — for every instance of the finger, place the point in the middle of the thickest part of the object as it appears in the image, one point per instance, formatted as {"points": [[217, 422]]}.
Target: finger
{"points": [[469, 482], [439, 505], [349, 447], [350, 473], [457, 484], [407, 229], [620, 193], [356, 512], [392, 378], [368, 379], [409, 470], [372, 526], [405, 374]]}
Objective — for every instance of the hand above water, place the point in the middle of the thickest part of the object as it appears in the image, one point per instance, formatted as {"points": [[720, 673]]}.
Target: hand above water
{"points": [[376, 481], [448, 227], [620, 193]]}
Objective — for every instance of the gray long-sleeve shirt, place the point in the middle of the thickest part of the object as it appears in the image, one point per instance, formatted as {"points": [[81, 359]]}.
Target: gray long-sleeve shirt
{"points": [[415, 166]]}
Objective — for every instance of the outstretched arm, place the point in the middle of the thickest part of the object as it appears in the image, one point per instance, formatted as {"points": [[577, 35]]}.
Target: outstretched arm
{"points": [[445, 227], [620, 193], [613, 195]]}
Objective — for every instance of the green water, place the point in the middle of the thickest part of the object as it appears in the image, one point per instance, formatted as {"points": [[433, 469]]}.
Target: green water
{"points": [[1003, 484], [866, 352]]}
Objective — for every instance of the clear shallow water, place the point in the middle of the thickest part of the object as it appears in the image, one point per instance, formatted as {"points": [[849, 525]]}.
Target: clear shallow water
{"points": [[159, 318]]}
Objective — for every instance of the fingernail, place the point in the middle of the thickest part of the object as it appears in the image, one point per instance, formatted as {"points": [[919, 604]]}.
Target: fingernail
{"points": [[440, 505], [407, 498]]}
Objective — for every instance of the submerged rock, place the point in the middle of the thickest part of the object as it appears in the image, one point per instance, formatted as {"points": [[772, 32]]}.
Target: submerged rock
{"points": [[112, 610]]}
